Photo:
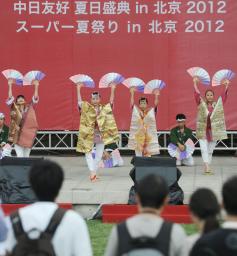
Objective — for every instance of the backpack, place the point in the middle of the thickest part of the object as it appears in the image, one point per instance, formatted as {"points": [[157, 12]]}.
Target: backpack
{"points": [[41, 246], [144, 246]]}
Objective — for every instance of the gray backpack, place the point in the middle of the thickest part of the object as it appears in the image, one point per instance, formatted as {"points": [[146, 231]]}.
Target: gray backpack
{"points": [[144, 246]]}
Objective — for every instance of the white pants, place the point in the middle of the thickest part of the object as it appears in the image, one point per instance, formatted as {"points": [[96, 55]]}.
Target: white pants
{"points": [[138, 153], [207, 148], [22, 151], [93, 163]]}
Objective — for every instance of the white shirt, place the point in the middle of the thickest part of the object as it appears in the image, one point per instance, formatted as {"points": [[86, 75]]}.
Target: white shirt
{"points": [[71, 237]]}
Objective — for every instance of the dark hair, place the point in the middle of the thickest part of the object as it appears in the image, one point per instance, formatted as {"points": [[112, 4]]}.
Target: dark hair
{"points": [[204, 205], [152, 191], [143, 99], [180, 116], [46, 178], [20, 96], [229, 192], [95, 93], [209, 90]]}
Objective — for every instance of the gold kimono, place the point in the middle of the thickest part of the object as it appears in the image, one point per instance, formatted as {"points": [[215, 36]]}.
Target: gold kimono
{"points": [[143, 132], [89, 119], [217, 118]]}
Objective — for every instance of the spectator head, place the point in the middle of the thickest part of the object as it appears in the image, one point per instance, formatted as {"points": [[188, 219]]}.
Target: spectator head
{"points": [[229, 192], [143, 102], [20, 100], [2, 119], [181, 119], [152, 192], [95, 98], [204, 209], [46, 178]]}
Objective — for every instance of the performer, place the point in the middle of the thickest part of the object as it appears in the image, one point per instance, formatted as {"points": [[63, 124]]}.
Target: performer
{"points": [[179, 136], [143, 132], [23, 125], [97, 127], [210, 122], [3, 133], [3, 130]]}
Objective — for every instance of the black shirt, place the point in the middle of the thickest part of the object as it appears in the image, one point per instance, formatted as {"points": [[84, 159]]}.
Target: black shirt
{"points": [[222, 242]]}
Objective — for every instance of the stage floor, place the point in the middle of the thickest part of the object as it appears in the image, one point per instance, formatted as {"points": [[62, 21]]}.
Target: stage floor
{"points": [[114, 183]]}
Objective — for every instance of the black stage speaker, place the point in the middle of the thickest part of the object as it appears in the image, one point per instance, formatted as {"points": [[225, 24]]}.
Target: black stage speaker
{"points": [[163, 166], [14, 182]]}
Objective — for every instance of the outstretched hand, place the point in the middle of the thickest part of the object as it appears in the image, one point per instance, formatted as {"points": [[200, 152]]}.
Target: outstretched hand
{"points": [[35, 83], [79, 85], [226, 82], [10, 81], [113, 86], [195, 80], [132, 90], [157, 92]]}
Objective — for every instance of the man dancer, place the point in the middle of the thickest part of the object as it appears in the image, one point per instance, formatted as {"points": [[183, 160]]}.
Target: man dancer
{"points": [[97, 127], [179, 136]]}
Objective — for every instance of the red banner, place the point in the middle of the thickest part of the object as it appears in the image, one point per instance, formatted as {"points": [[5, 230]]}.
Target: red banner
{"points": [[146, 39]]}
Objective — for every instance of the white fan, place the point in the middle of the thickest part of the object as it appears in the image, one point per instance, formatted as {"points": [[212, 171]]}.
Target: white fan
{"points": [[86, 80], [13, 74], [201, 74], [109, 78], [33, 75], [135, 82], [221, 75], [154, 85]]}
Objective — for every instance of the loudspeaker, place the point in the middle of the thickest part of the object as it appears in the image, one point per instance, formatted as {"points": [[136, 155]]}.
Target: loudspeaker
{"points": [[14, 182], [163, 166]]}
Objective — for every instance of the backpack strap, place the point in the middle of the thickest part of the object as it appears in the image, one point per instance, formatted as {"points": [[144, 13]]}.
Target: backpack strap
{"points": [[163, 237], [55, 221], [124, 238], [17, 224]]}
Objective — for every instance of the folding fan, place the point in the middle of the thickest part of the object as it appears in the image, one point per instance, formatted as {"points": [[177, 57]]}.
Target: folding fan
{"points": [[201, 74], [13, 74], [153, 85], [222, 75], [84, 79], [33, 75], [174, 150], [135, 82], [109, 78]]}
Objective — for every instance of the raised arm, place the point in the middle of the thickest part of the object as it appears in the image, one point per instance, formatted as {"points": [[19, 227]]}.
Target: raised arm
{"points": [[10, 98], [195, 85], [113, 87], [226, 83], [157, 94], [132, 91], [10, 83], [197, 93], [79, 98], [35, 98]]}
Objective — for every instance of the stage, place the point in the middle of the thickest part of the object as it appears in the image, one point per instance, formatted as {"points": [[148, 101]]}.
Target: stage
{"points": [[114, 184]]}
